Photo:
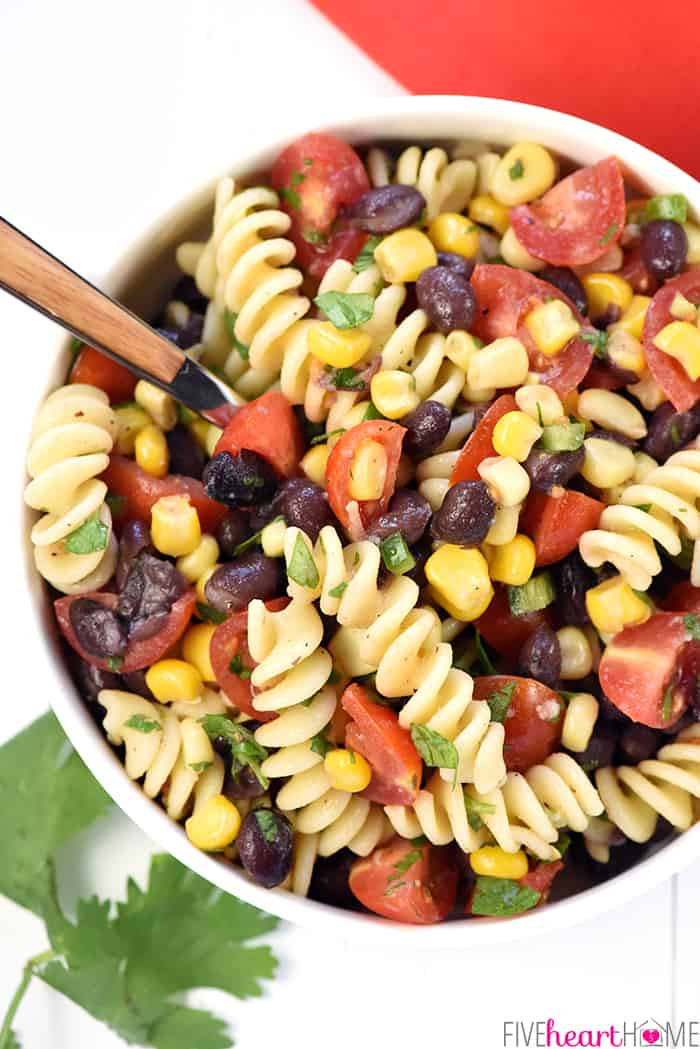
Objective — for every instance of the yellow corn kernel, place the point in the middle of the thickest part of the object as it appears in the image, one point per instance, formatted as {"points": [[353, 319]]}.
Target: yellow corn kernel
{"points": [[151, 451], [460, 347], [489, 212], [368, 471], [514, 434], [604, 290], [495, 862], [131, 419], [507, 478], [197, 751], [626, 351], [460, 581], [455, 233], [514, 562], [579, 721], [576, 653], [204, 555], [501, 364], [692, 232], [524, 173], [514, 254], [340, 349], [214, 825], [272, 538], [606, 463], [611, 411], [314, 463], [632, 320], [402, 256], [195, 649], [394, 393], [541, 403], [172, 680], [681, 340], [552, 325], [505, 526], [347, 770], [160, 405], [202, 582], [175, 528], [613, 605], [682, 309]]}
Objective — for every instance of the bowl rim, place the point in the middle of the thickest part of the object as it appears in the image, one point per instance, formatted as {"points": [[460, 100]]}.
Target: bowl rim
{"points": [[391, 117]]}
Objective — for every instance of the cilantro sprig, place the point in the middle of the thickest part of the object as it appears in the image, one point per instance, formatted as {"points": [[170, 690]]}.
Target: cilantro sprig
{"points": [[245, 750], [92, 535]]}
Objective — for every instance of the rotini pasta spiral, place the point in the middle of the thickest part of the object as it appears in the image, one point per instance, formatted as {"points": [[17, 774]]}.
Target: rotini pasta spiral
{"points": [[71, 440], [435, 361], [157, 754], [634, 797], [438, 812], [628, 531], [446, 185]]}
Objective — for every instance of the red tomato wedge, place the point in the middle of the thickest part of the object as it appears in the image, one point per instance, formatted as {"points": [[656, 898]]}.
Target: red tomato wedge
{"points": [[683, 597], [141, 490], [416, 884], [670, 374], [504, 631], [540, 878], [375, 733], [230, 640], [479, 443], [339, 466], [533, 720], [96, 369], [269, 427], [505, 297], [138, 654], [317, 175], [649, 671], [577, 219], [556, 524]]}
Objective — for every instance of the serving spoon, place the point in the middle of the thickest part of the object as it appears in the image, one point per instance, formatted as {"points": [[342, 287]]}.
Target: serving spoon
{"points": [[42, 281]]}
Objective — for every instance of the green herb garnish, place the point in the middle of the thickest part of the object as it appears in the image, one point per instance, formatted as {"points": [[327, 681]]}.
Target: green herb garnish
{"points": [[313, 236], [290, 197], [236, 667], [476, 809], [396, 555], [598, 340], [609, 234], [338, 590], [115, 663], [345, 378], [562, 843], [499, 701], [346, 309], [116, 503], [517, 170], [667, 702], [200, 766], [323, 437], [230, 319], [209, 614], [691, 623], [254, 539], [673, 206], [245, 750], [484, 658], [435, 750], [143, 724], [89, 537], [372, 412], [320, 745], [267, 822], [501, 897], [365, 259], [301, 567]]}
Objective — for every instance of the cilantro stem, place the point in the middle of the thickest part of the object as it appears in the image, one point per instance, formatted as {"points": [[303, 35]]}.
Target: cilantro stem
{"points": [[29, 971]]}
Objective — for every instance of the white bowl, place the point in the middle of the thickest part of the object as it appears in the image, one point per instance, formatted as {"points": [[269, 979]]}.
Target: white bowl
{"points": [[427, 119]]}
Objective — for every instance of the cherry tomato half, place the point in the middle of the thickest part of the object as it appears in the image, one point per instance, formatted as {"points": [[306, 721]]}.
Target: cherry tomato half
{"points": [[375, 733], [649, 671], [577, 219], [670, 374], [138, 654], [504, 631], [269, 427], [533, 720], [316, 176], [540, 878], [229, 643], [505, 297], [141, 490], [340, 461], [416, 884], [555, 525], [96, 369], [479, 443]]}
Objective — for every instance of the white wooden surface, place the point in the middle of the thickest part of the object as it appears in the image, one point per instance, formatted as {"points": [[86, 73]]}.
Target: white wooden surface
{"points": [[108, 108]]}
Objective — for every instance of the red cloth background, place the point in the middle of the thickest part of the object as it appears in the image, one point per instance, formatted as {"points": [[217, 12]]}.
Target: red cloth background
{"points": [[631, 66]]}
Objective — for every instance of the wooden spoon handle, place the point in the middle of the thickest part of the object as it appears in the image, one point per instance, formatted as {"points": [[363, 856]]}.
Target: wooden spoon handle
{"points": [[42, 281]]}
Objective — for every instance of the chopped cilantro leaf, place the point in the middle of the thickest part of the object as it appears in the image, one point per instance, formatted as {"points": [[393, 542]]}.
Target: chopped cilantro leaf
{"points": [[435, 750], [365, 259], [89, 537], [501, 897], [209, 614], [143, 724], [499, 701], [517, 170], [346, 309], [302, 568], [290, 197], [476, 809], [609, 234]]}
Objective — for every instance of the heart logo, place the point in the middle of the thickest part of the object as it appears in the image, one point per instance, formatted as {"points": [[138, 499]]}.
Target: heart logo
{"points": [[651, 1037]]}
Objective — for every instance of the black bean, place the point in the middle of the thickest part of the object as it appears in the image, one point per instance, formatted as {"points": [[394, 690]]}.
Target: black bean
{"points": [[427, 427], [187, 291], [243, 785], [613, 435], [232, 530], [407, 513], [637, 743], [135, 681], [572, 578], [567, 281], [610, 712], [611, 315], [135, 537], [188, 335], [330, 882], [244, 479], [235, 584], [151, 588], [669, 430], [98, 629], [448, 299], [90, 679], [304, 505], [456, 263], [265, 844], [601, 748], [186, 457], [466, 514], [664, 246], [540, 657], [547, 469], [386, 209]]}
